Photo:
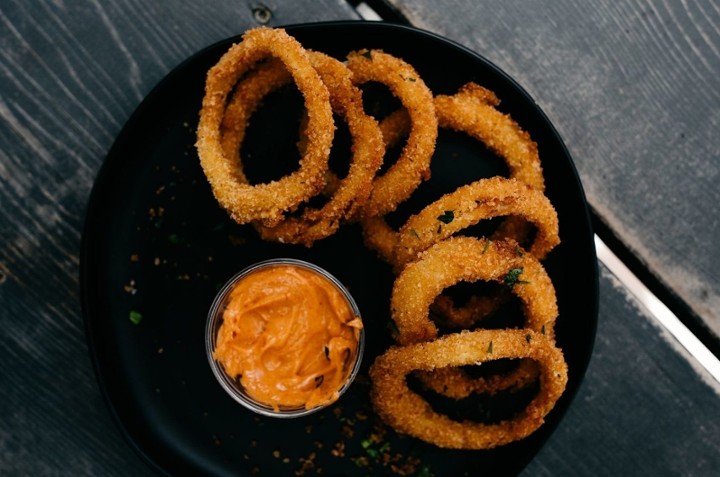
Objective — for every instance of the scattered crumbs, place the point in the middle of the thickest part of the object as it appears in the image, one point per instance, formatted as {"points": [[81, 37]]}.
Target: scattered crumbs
{"points": [[306, 464], [130, 287], [276, 454], [210, 258], [253, 444], [308, 429], [255, 470], [318, 444], [286, 460], [159, 190], [338, 449], [161, 350], [156, 262], [134, 257]]}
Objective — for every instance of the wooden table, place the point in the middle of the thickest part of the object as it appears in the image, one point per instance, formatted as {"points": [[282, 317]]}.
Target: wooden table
{"points": [[633, 87]]}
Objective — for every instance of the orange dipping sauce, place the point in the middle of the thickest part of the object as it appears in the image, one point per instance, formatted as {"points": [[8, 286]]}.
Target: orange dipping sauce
{"points": [[290, 336]]}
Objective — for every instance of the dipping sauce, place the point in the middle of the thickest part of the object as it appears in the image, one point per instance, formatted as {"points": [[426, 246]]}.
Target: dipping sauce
{"points": [[289, 336]]}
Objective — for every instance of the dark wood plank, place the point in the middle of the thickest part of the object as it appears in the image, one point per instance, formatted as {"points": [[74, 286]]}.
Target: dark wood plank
{"points": [[634, 89], [72, 73], [644, 408]]}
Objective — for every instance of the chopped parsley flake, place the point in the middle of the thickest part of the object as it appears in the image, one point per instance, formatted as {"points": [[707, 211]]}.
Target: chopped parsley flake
{"points": [[367, 54], [447, 217], [489, 350], [528, 338], [135, 317], [487, 244], [512, 277], [414, 233]]}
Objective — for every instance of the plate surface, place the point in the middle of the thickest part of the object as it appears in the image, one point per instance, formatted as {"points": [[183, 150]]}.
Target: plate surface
{"points": [[156, 243]]}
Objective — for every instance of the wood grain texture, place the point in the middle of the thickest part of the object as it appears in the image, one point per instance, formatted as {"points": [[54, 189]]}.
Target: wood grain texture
{"points": [[634, 89], [71, 73], [642, 409]]}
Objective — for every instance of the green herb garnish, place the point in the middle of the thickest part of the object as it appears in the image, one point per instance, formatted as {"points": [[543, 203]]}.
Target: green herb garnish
{"points": [[489, 350], [367, 54], [135, 317], [447, 217], [414, 233], [528, 338], [487, 244], [512, 277]]}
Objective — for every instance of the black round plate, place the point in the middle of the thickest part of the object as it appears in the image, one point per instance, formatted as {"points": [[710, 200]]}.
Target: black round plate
{"points": [[157, 246]]}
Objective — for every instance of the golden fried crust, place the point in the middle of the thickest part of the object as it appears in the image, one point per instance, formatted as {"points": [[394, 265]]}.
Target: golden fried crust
{"points": [[249, 93], [468, 259], [407, 412], [468, 205], [472, 110], [265, 202]]}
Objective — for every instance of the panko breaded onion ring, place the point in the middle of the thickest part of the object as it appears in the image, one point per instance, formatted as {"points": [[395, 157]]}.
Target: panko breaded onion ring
{"points": [[413, 165], [408, 413], [469, 259], [468, 205], [264, 202], [351, 192]]}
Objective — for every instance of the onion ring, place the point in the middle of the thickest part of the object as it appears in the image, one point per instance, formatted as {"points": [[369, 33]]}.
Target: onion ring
{"points": [[265, 202], [469, 259], [413, 165], [351, 192], [407, 412]]}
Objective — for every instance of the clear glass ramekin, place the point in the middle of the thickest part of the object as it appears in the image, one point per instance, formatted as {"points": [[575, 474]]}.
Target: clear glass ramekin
{"points": [[214, 321]]}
